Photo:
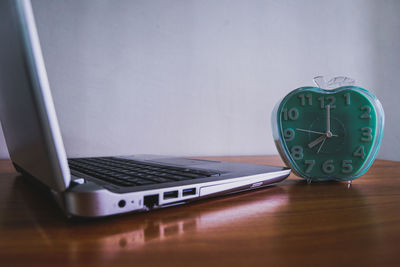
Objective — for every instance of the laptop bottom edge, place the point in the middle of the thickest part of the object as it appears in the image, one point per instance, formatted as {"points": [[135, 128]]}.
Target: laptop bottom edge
{"points": [[92, 200]]}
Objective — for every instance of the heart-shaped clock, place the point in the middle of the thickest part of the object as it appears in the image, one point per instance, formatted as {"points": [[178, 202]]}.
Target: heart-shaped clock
{"points": [[328, 134]]}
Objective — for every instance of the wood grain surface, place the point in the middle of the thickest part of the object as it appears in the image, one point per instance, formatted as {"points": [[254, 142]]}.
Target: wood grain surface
{"points": [[290, 224]]}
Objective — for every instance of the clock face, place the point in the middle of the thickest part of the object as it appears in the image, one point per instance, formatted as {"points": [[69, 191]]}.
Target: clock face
{"points": [[329, 134]]}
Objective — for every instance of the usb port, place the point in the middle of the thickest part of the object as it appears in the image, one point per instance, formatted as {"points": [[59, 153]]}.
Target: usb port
{"points": [[170, 194], [188, 192]]}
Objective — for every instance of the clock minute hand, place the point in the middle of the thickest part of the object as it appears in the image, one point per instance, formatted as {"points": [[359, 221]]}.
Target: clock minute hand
{"points": [[328, 122], [317, 141], [328, 119]]}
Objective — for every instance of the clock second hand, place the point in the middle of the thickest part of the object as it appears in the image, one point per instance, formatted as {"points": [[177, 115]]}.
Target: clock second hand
{"points": [[309, 131]]}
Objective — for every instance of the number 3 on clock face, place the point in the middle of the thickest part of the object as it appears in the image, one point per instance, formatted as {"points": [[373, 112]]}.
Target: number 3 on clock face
{"points": [[328, 134]]}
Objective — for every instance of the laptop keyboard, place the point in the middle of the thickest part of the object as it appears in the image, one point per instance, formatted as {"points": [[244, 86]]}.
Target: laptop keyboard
{"points": [[126, 172]]}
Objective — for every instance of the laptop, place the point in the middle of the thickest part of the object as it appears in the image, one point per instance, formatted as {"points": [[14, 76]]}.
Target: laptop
{"points": [[95, 186]]}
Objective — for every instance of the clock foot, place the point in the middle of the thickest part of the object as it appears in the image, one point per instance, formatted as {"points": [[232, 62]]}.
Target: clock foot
{"points": [[349, 183], [309, 181]]}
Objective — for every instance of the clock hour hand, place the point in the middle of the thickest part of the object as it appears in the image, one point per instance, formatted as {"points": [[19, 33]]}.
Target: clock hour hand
{"points": [[317, 141]]}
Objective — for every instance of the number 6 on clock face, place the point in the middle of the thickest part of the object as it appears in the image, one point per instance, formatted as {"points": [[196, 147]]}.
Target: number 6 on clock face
{"points": [[328, 134]]}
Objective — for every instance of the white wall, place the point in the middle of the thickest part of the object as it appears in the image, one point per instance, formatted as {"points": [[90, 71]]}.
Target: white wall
{"points": [[202, 77]]}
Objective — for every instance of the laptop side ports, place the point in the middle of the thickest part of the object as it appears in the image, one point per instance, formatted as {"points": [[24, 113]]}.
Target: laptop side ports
{"points": [[171, 194], [151, 201], [188, 192]]}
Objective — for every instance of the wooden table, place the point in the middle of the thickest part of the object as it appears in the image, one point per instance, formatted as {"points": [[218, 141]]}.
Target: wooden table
{"points": [[291, 224]]}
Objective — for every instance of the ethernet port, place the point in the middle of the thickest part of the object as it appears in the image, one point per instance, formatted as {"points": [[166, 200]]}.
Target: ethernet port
{"points": [[151, 201]]}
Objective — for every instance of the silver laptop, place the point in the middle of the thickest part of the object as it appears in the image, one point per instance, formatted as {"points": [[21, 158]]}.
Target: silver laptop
{"points": [[97, 186]]}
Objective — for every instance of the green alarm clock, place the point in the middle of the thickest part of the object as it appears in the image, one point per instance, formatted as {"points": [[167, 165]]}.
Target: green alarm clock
{"points": [[328, 133]]}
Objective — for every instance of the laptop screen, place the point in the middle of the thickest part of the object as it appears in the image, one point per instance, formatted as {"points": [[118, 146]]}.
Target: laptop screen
{"points": [[26, 108]]}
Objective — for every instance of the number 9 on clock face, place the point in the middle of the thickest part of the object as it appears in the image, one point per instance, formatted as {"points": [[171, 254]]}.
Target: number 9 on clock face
{"points": [[328, 134]]}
